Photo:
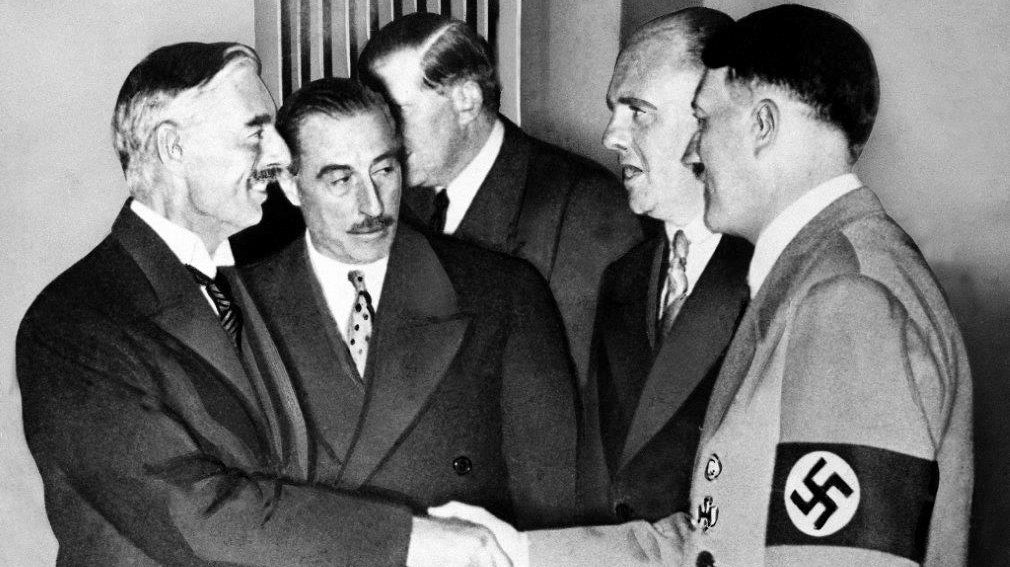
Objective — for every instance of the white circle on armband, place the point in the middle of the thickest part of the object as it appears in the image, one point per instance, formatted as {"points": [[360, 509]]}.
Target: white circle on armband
{"points": [[822, 493]]}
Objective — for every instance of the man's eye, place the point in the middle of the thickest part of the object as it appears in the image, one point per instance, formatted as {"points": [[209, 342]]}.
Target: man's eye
{"points": [[636, 111]]}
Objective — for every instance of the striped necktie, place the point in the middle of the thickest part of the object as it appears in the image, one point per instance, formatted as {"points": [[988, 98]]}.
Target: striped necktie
{"points": [[676, 283], [220, 293]]}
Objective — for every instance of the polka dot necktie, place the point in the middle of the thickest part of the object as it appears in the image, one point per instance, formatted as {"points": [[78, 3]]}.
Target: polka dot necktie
{"points": [[676, 283], [359, 324]]}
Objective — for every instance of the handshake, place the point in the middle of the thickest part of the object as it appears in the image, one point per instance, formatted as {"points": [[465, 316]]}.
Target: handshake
{"points": [[457, 534]]}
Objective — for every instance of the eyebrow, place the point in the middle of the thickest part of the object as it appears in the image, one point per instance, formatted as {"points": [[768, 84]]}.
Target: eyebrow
{"points": [[259, 120], [393, 154], [327, 169], [634, 101]]}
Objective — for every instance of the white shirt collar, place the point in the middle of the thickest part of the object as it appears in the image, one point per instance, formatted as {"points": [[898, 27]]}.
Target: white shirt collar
{"points": [[337, 289], [464, 187], [702, 243], [184, 243], [780, 232]]}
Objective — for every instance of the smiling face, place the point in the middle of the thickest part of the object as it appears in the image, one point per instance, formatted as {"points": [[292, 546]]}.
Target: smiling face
{"points": [[734, 201], [432, 134], [349, 184], [227, 139], [650, 127]]}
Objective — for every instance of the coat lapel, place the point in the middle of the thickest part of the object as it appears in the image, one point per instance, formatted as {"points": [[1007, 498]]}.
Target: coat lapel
{"points": [[652, 299], [271, 380], [762, 323], [493, 217], [315, 352], [179, 307], [418, 331], [698, 338]]}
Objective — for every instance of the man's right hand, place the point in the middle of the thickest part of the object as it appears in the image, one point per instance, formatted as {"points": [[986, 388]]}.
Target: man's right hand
{"points": [[438, 542]]}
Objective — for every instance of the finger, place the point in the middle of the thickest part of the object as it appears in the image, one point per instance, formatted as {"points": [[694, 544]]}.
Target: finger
{"points": [[448, 510], [497, 556]]}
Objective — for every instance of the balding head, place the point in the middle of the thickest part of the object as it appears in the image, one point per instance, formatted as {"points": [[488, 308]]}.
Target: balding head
{"points": [[651, 123]]}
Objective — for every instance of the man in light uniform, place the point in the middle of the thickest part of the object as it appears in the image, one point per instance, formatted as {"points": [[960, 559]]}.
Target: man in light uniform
{"points": [[839, 430]]}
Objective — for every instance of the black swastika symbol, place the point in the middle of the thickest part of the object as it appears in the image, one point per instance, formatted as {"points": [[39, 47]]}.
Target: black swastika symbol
{"points": [[819, 494]]}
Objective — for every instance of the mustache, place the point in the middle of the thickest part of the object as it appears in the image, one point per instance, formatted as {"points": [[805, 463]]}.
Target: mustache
{"points": [[372, 224], [270, 173], [697, 169]]}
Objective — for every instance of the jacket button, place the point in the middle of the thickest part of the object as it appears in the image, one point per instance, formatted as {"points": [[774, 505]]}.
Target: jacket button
{"points": [[705, 559], [623, 511], [462, 465]]}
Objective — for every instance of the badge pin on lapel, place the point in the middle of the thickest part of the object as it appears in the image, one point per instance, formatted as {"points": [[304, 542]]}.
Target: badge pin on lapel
{"points": [[708, 514], [713, 468]]}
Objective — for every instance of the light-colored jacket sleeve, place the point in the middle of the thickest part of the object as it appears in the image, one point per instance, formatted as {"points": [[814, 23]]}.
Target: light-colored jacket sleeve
{"points": [[632, 544]]}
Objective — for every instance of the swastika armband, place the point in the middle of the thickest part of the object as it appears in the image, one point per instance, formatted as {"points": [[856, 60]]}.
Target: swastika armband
{"points": [[851, 496]]}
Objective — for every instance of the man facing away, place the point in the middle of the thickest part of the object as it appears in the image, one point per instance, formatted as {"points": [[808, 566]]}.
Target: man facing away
{"points": [[428, 369], [473, 174], [668, 308], [165, 427], [839, 429]]}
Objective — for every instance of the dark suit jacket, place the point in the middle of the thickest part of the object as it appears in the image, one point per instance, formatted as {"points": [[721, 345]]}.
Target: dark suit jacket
{"points": [[651, 395], [565, 214], [469, 393], [158, 443]]}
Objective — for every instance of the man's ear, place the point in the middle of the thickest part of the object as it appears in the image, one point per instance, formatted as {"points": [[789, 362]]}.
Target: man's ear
{"points": [[168, 144], [766, 122], [467, 101]]}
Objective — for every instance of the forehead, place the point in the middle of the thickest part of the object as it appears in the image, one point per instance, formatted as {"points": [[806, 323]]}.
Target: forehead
{"points": [[655, 71], [714, 89], [400, 71], [345, 140], [236, 93]]}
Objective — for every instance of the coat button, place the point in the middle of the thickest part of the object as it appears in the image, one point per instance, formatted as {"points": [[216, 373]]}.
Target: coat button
{"points": [[713, 468], [705, 559], [462, 465], [623, 511]]}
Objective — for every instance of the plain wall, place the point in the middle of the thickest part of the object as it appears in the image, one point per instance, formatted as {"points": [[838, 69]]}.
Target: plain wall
{"points": [[63, 64], [568, 52], [939, 160]]}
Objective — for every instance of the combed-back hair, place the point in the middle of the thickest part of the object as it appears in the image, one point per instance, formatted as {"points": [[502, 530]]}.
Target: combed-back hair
{"points": [[821, 59], [333, 97], [452, 52], [697, 25], [157, 80]]}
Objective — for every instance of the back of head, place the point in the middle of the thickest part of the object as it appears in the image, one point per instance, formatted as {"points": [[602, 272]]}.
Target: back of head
{"points": [[154, 83], [333, 97], [452, 52], [814, 55]]}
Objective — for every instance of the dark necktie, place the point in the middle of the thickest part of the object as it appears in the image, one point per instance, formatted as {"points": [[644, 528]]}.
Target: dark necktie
{"points": [[676, 283], [437, 221], [359, 324], [220, 293]]}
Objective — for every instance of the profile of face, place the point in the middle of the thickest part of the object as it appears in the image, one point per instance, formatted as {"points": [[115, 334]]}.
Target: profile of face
{"points": [[650, 127], [348, 184], [432, 132], [230, 151], [722, 153]]}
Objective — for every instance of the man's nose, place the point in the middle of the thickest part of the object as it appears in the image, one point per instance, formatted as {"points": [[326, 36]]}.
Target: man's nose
{"points": [[615, 137], [369, 200], [691, 156], [273, 151]]}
